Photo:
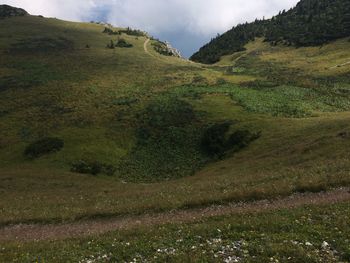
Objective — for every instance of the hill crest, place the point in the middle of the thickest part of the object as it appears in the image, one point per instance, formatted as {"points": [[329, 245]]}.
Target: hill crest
{"points": [[10, 11]]}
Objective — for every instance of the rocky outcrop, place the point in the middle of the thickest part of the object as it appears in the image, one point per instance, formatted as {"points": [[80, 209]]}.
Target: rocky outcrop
{"points": [[172, 50], [165, 49], [9, 11]]}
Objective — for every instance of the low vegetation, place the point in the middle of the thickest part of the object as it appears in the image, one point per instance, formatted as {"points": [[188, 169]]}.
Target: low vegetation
{"points": [[303, 235], [125, 101], [133, 32], [93, 168], [173, 142], [128, 31], [284, 101], [215, 141], [121, 42], [43, 146], [167, 142], [110, 31]]}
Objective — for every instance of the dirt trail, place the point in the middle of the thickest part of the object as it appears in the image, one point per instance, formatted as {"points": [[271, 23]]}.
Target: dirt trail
{"points": [[341, 65], [29, 233], [146, 49]]}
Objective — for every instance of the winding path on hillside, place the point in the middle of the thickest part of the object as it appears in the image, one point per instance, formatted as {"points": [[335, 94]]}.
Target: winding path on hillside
{"points": [[146, 48], [341, 65], [36, 232]]}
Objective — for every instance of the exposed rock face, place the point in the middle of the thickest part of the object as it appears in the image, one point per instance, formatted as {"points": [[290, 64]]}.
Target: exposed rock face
{"points": [[9, 11], [172, 50], [164, 48]]}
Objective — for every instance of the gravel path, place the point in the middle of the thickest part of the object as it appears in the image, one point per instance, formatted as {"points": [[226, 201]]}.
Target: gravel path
{"points": [[146, 49], [341, 65], [29, 233]]}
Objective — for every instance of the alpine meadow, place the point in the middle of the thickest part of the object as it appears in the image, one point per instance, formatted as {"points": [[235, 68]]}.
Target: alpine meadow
{"points": [[114, 148]]}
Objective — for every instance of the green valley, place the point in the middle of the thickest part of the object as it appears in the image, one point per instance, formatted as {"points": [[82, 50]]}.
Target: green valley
{"points": [[101, 123]]}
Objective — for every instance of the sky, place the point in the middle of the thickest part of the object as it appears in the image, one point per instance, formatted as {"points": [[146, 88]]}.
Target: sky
{"points": [[186, 24]]}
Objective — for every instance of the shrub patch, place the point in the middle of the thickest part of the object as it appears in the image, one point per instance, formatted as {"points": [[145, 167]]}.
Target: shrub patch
{"points": [[173, 142], [43, 146], [123, 43], [92, 167], [216, 143], [167, 142]]}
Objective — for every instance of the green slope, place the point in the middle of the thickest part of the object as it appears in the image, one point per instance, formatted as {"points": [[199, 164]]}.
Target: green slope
{"points": [[53, 85], [142, 115]]}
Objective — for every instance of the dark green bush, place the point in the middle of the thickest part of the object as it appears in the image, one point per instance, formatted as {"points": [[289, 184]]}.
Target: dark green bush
{"points": [[123, 44], [111, 45], [133, 32], [92, 167], [167, 112], [167, 142], [43, 146], [304, 187], [240, 139], [125, 101], [109, 31], [215, 141]]}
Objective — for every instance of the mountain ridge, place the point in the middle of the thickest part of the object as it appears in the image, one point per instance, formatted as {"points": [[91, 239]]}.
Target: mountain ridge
{"points": [[309, 23]]}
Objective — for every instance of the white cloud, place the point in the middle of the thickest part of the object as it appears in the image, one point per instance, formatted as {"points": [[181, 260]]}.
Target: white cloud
{"points": [[199, 18], [75, 10], [204, 17], [159, 15]]}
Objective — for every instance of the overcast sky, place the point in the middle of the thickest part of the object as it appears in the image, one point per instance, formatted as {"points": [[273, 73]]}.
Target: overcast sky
{"points": [[187, 24]]}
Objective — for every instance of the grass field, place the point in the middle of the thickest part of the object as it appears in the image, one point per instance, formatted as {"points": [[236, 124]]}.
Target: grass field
{"points": [[300, 125], [142, 115], [308, 234]]}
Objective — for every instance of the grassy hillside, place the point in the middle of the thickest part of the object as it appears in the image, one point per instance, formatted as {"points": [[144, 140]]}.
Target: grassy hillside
{"points": [[138, 132], [138, 117], [52, 84]]}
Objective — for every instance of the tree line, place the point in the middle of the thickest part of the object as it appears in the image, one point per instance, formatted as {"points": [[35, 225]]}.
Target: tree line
{"points": [[310, 23]]}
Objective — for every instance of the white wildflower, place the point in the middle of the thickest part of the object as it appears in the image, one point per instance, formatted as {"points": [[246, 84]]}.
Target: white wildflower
{"points": [[325, 245], [308, 244]]}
